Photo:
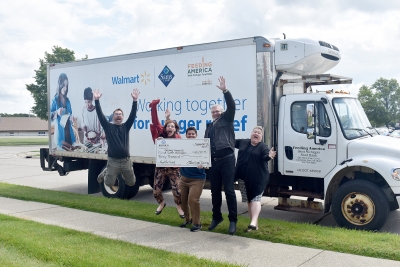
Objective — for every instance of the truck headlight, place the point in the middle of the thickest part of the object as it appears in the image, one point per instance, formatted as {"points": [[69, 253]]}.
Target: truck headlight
{"points": [[395, 174]]}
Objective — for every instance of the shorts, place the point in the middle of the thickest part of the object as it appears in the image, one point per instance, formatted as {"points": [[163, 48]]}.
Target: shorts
{"points": [[256, 198]]}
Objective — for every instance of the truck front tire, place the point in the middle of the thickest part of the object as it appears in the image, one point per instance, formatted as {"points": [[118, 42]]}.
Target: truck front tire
{"points": [[360, 205]]}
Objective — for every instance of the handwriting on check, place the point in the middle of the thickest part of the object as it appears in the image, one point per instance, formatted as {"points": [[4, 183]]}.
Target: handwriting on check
{"points": [[183, 152]]}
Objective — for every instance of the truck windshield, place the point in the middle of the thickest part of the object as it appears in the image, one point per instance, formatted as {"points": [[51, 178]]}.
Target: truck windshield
{"points": [[352, 118]]}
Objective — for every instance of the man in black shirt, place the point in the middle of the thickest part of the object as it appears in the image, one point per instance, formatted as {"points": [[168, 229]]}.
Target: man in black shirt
{"points": [[222, 139], [117, 135]]}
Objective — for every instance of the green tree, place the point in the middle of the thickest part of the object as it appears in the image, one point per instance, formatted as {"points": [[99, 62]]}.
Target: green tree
{"points": [[38, 89], [381, 101]]}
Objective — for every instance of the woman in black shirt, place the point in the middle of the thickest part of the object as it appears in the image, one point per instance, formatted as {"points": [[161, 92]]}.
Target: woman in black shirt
{"points": [[252, 168]]}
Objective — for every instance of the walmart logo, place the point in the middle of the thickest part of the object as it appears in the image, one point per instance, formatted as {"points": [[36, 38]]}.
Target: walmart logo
{"points": [[166, 76], [145, 78], [125, 80]]}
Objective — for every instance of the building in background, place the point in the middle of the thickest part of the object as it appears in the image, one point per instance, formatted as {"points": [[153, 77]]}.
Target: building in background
{"points": [[23, 126]]}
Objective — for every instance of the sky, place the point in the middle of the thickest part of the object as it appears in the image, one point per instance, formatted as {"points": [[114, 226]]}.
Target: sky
{"points": [[367, 33]]}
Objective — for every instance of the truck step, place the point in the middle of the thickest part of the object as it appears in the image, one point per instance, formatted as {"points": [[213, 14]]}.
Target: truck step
{"points": [[300, 193], [298, 205]]}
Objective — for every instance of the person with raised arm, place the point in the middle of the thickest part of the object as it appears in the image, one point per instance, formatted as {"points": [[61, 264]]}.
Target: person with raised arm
{"points": [[162, 174], [117, 136], [222, 141]]}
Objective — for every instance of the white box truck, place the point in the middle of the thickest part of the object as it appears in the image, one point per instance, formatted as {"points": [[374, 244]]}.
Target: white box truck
{"points": [[329, 158]]}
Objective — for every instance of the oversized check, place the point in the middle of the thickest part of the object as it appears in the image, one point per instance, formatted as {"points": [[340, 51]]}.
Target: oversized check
{"points": [[191, 152]]}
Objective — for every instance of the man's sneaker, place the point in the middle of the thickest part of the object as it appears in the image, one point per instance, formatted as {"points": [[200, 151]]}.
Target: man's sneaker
{"points": [[114, 188], [100, 178], [195, 228], [214, 223], [183, 225]]}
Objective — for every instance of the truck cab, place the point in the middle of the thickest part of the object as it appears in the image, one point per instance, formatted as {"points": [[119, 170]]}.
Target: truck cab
{"points": [[329, 151]]}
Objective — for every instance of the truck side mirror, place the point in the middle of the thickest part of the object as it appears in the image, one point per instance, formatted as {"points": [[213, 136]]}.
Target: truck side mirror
{"points": [[310, 115], [310, 121]]}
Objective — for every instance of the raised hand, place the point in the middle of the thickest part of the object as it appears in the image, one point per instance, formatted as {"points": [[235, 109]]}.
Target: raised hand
{"points": [[272, 153], [221, 85], [135, 94], [167, 114], [96, 94]]}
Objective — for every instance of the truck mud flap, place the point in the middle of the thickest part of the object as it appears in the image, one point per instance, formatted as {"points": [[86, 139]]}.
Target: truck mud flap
{"points": [[46, 157], [52, 164]]}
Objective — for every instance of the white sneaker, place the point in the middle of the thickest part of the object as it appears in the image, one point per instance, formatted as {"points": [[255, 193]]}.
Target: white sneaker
{"points": [[101, 176]]}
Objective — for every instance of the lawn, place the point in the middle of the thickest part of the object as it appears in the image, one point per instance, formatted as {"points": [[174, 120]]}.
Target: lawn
{"points": [[372, 244], [23, 141], [28, 243]]}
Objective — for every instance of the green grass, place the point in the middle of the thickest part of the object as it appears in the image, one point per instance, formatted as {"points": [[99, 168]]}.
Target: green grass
{"points": [[372, 244], [28, 243], [22, 141]]}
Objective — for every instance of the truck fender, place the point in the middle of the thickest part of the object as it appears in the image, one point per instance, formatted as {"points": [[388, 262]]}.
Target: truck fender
{"points": [[370, 165]]}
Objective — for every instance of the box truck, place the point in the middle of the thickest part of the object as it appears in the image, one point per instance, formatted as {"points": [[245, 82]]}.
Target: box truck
{"points": [[329, 158]]}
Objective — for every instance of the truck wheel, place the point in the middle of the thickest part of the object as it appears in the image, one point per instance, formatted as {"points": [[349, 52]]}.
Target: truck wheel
{"points": [[360, 205], [119, 190], [133, 190], [144, 173]]}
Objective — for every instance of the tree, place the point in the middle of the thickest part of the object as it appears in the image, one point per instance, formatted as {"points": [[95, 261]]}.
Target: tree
{"points": [[38, 90], [381, 101]]}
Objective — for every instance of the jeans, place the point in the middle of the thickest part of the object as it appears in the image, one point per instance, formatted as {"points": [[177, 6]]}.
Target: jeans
{"points": [[221, 173]]}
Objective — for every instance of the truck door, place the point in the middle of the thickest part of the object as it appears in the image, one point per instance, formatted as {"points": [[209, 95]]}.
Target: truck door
{"points": [[310, 137]]}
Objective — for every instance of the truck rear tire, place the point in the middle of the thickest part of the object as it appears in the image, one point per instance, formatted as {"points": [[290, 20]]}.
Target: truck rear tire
{"points": [[133, 190], [119, 190], [360, 205]]}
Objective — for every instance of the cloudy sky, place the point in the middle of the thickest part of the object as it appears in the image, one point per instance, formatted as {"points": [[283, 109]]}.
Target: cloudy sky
{"points": [[366, 32]]}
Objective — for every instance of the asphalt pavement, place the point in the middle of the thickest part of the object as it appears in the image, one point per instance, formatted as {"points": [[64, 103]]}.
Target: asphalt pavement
{"points": [[17, 169]]}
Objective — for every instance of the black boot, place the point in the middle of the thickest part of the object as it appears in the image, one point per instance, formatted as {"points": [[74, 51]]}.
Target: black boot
{"points": [[214, 224], [232, 228]]}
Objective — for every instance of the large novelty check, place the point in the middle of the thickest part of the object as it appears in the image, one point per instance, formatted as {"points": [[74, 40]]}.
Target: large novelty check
{"points": [[171, 152]]}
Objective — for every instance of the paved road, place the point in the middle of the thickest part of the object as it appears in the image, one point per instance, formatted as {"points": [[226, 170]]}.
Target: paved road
{"points": [[16, 169]]}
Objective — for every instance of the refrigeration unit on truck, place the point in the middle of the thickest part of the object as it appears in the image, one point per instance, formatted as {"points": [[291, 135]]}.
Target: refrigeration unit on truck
{"points": [[329, 158]]}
